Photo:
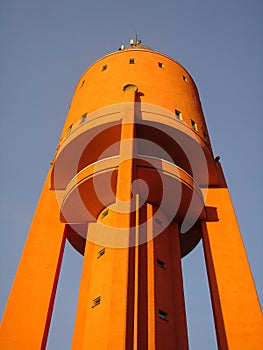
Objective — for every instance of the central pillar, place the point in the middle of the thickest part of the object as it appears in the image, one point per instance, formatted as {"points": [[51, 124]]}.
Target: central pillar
{"points": [[102, 321]]}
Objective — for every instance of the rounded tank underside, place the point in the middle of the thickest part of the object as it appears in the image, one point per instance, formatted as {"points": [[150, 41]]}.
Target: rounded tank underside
{"points": [[75, 234]]}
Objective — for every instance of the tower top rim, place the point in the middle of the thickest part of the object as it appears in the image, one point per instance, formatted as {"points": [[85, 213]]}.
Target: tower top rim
{"points": [[137, 47]]}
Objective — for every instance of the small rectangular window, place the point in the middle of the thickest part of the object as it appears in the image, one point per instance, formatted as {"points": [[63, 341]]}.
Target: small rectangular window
{"points": [[160, 65], [132, 60], [194, 125], [161, 264], [163, 315], [100, 253], [105, 213], [104, 67], [178, 114], [69, 129], [96, 301], [83, 118], [205, 136]]}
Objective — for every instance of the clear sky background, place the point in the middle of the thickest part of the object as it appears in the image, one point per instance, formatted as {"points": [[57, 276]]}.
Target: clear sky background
{"points": [[46, 46]]}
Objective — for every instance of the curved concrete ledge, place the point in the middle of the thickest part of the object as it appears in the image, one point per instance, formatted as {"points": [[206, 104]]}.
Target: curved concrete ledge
{"points": [[168, 184], [86, 194], [94, 188], [99, 136]]}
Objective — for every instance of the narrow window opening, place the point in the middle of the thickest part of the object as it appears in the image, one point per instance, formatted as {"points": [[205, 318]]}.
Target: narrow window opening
{"points": [[69, 129], [161, 264], [83, 118], [104, 67], [130, 87], [163, 315], [105, 213], [205, 136], [194, 125], [82, 83], [100, 253], [185, 79], [132, 61], [159, 222], [160, 65], [96, 301], [178, 115]]}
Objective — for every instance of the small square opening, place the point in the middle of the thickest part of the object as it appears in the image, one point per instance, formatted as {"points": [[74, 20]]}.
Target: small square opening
{"points": [[178, 114], [160, 65], [96, 301], [69, 129], [100, 253], [132, 61], [105, 213], [194, 125], [161, 264], [163, 315], [83, 118], [104, 67]]}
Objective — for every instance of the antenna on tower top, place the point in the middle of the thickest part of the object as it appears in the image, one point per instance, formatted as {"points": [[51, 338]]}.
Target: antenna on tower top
{"points": [[137, 41]]}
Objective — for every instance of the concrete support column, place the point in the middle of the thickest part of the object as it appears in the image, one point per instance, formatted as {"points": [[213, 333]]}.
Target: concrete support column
{"points": [[237, 313], [161, 312], [169, 293], [108, 325], [177, 282], [28, 312]]}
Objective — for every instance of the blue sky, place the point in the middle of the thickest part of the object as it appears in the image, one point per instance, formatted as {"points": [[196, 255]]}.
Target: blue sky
{"points": [[46, 46]]}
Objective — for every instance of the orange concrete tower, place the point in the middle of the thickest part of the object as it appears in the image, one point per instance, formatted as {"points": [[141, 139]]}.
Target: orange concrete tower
{"points": [[134, 187]]}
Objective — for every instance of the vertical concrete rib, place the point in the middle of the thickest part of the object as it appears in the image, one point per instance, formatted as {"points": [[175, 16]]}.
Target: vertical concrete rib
{"points": [[28, 313], [237, 313]]}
